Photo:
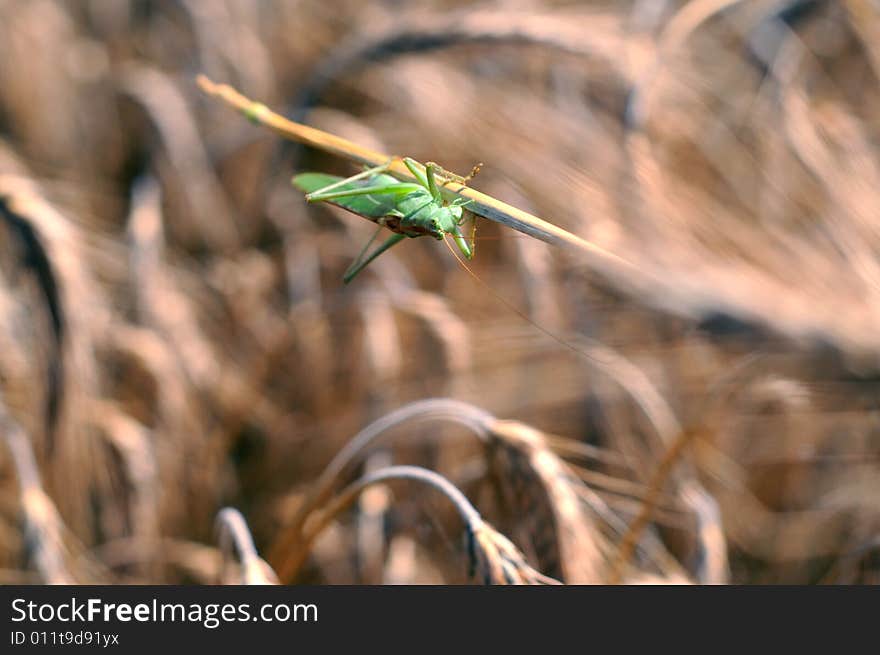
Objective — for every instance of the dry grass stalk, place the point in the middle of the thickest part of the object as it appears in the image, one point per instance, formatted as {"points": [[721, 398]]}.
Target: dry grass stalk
{"points": [[76, 311], [43, 528], [713, 567], [134, 444], [159, 304], [702, 425], [627, 545], [486, 27], [213, 220], [232, 530], [15, 211]]}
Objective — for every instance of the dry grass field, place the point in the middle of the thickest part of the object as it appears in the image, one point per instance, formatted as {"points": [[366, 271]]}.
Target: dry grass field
{"points": [[190, 394]]}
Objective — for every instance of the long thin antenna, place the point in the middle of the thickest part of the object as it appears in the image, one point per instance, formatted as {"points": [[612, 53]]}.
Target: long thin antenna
{"points": [[516, 310]]}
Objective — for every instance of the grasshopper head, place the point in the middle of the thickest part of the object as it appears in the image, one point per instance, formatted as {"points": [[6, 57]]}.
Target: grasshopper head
{"points": [[447, 220]]}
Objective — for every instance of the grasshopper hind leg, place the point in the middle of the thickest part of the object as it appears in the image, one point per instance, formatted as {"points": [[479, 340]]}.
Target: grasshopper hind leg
{"points": [[320, 194], [361, 262]]}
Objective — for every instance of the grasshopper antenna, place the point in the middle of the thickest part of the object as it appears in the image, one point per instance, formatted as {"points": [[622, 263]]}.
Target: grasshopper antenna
{"points": [[516, 310]]}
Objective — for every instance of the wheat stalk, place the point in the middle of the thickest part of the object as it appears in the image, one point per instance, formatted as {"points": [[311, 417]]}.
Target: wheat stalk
{"points": [[544, 492]]}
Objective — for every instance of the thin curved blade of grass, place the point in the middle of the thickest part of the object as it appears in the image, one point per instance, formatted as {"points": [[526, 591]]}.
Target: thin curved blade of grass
{"points": [[232, 529]]}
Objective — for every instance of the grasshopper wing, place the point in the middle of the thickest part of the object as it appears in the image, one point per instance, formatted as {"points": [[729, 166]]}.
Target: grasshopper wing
{"points": [[372, 206]]}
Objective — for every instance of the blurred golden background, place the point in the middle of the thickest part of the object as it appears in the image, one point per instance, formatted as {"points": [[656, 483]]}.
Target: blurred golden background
{"points": [[175, 337]]}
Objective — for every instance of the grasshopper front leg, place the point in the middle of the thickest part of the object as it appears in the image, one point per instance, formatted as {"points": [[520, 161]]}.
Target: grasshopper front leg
{"points": [[466, 248]]}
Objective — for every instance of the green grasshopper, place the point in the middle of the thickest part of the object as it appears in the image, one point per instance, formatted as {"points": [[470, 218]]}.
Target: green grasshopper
{"points": [[409, 209]]}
